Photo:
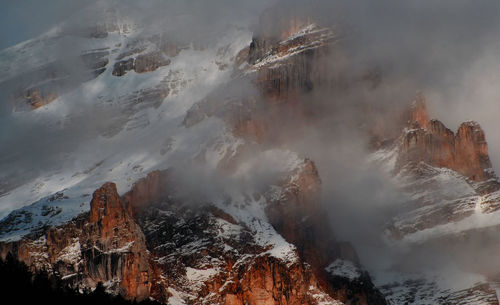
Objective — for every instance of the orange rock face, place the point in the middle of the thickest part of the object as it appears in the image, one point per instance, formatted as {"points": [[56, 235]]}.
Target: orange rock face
{"points": [[106, 245], [269, 282], [37, 99], [472, 152], [287, 215], [435, 146], [465, 152], [418, 113], [289, 72], [106, 210], [300, 218], [146, 190], [283, 67], [113, 232]]}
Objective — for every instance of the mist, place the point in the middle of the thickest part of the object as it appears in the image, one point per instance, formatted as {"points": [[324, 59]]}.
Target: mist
{"points": [[447, 49]]}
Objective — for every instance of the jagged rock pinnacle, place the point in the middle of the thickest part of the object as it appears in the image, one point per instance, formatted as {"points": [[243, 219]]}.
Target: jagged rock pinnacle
{"points": [[418, 112]]}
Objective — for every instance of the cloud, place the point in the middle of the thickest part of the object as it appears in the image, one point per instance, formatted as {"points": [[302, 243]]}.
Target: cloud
{"points": [[22, 20], [446, 48]]}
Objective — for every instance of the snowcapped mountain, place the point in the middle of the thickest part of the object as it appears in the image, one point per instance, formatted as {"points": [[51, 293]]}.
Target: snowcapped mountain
{"points": [[178, 166], [207, 214], [451, 195], [89, 122]]}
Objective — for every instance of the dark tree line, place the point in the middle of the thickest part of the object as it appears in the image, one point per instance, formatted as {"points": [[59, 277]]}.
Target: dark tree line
{"points": [[20, 286]]}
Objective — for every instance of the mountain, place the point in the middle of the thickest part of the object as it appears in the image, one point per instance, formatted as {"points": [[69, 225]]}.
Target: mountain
{"points": [[435, 165], [197, 168], [450, 187], [257, 243]]}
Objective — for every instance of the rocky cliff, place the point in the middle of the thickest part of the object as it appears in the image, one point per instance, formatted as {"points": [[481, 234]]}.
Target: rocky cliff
{"points": [[116, 248], [141, 64], [200, 254], [447, 175], [465, 151], [106, 245], [272, 246], [283, 66]]}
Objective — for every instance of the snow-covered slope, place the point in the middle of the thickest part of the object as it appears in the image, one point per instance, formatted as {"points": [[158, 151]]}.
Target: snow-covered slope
{"points": [[432, 235], [117, 101], [110, 128], [440, 201], [235, 208]]}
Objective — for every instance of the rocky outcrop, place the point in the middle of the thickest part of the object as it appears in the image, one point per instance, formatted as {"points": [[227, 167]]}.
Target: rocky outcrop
{"points": [[270, 282], [122, 67], [299, 217], [150, 62], [36, 99], [281, 70], [95, 61], [277, 24], [211, 258], [148, 190], [106, 245], [287, 50], [286, 68], [472, 159], [116, 248], [434, 146], [141, 64], [465, 151], [418, 112], [199, 254], [447, 175]]}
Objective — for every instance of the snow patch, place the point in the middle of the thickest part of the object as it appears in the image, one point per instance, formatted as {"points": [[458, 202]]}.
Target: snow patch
{"points": [[344, 268], [72, 253]]}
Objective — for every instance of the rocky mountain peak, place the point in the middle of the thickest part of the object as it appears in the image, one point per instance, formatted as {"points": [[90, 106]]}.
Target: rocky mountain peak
{"points": [[105, 245], [418, 111], [472, 151], [145, 191], [105, 203], [465, 151], [116, 242]]}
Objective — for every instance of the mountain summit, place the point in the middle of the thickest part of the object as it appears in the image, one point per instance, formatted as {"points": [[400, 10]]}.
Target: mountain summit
{"points": [[161, 155]]}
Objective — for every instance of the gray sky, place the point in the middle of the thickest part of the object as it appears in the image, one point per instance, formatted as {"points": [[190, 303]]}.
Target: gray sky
{"points": [[24, 19]]}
